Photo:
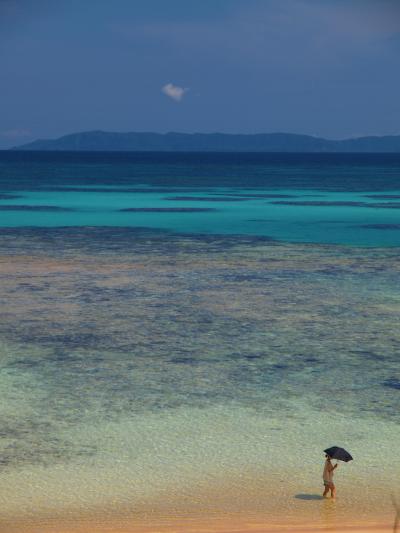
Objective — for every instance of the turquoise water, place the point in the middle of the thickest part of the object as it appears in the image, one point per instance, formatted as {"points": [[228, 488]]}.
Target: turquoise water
{"points": [[152, 360], [340, 199], [361, 224]]}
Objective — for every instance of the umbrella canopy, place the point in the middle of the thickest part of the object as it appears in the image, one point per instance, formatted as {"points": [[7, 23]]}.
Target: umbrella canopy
{"points": [[338, 453]]}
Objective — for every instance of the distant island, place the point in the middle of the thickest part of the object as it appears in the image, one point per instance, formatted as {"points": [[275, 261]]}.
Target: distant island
{"points": [[210, 142]]}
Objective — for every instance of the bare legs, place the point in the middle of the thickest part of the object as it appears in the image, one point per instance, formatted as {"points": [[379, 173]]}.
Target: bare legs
{"points": [[331, 487]]}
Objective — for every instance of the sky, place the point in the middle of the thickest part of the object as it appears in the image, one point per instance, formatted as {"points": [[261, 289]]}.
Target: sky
{"points": [[329, 68]]}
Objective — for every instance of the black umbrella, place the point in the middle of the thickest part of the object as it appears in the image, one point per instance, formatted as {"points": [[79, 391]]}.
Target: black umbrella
{"points": [[338, 453]]}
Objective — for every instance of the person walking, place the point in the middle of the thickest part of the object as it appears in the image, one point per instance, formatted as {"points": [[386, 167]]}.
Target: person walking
{"points": [[327, 477]]}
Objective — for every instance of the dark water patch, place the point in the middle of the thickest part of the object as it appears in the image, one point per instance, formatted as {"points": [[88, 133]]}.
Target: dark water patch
{"points": [[246, 277], [252, 374], [392, 383], [383, 196], [385, 205], [68, 241], [206, 199], [34, 288], [337, 203], [42, 448], [166, 209], [311, 360], [322, 203], [69, 341], [169, 190], [185, 361], [5, 196], [261, 195], [59, 355], [368, 354], [332, 271], [34, 208], [134, 190], [380, 226], [330, 222], [332, 172], [25, 363], [33, 437], [65, 356], [261, 220], [278, 367]]}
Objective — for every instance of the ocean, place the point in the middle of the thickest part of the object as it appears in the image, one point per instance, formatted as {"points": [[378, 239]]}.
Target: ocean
{"points": [[185, 333], [320, 198]]}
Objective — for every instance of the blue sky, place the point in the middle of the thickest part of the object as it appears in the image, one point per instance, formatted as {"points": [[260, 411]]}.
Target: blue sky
{"points": [[322, 67]]}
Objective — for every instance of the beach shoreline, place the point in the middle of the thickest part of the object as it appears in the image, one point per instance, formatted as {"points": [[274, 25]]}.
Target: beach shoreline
{"points": [[231, 523]]}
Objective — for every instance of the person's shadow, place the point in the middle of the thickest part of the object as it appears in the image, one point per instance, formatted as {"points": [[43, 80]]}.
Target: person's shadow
{"points": [[309, 497]]}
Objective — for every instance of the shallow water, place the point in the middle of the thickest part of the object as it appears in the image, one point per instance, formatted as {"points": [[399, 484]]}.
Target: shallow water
{"points": [[169, 370], [190, 367]]}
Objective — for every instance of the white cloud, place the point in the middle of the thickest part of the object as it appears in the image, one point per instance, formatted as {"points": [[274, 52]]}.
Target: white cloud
{"points": [[174, 91]]}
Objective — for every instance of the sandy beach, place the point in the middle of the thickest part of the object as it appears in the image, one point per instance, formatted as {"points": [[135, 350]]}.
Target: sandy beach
{"points": [[196, 524]]}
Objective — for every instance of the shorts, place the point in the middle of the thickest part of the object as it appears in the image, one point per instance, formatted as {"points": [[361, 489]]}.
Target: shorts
{"points": [[328, 483]]}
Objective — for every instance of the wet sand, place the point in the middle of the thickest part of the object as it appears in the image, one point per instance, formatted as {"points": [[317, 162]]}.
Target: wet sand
{"points": [[197, 524]]}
